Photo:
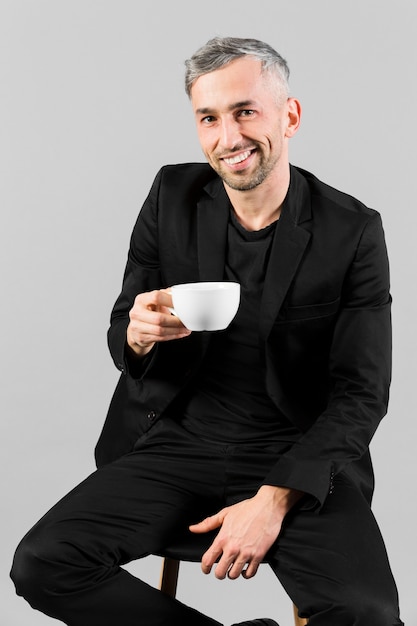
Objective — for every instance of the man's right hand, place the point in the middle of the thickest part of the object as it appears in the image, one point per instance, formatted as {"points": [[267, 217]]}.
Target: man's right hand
{"points": [[151, 321]]}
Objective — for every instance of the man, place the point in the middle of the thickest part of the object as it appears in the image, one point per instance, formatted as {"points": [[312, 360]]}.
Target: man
{"points": [[255, 438]]}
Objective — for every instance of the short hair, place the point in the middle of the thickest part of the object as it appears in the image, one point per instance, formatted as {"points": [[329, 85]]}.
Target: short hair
{"points": [[220, 51]]}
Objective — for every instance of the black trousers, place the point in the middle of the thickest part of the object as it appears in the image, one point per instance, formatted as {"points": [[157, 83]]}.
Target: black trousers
{"points": [[333, 564]]}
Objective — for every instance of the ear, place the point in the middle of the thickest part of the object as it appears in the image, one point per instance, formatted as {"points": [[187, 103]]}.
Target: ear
{"points": [[293, 117]]}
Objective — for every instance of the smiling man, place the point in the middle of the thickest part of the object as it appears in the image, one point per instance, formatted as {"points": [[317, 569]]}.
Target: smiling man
{"points": [[254, 439]]}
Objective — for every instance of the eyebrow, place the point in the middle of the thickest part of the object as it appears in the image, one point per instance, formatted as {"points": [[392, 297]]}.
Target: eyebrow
{"points": [[232, 107]]}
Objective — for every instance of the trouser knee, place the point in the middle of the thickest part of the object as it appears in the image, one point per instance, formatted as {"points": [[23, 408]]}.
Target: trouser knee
{"points": [[27, 568], [44, 567]]}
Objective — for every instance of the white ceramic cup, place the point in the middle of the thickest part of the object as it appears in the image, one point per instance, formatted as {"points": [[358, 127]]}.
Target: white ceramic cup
{"points": [[206, 305]]}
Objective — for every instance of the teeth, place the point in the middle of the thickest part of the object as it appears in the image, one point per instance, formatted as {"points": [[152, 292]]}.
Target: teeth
{"points": [[238, 158]]}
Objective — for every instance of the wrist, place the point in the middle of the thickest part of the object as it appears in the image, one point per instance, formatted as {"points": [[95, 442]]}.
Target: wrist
{"points": [[136, 350], [282, 497]]}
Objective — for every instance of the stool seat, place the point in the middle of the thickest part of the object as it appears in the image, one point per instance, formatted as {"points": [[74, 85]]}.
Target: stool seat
{"points": [[189, 546]]}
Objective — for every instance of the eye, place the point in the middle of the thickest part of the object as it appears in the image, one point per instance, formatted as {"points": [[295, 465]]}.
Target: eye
{"points": [[246, 113], [208, 119]]}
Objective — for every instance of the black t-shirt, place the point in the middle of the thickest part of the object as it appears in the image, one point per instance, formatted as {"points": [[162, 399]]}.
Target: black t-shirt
{"points": [[227, 401]]}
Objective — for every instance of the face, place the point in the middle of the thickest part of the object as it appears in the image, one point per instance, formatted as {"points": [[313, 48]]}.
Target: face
{"points": [[242, 124]]}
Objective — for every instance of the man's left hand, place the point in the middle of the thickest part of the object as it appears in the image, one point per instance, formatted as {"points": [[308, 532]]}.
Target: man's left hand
{"points": [[247, 531]]}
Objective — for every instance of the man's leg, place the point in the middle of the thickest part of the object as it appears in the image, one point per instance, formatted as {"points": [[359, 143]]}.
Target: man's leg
{"points": [[68, 565], [334, 565]]}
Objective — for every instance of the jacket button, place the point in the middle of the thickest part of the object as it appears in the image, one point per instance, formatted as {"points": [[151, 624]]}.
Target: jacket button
{"points": [[331, 488], [151, 415]]}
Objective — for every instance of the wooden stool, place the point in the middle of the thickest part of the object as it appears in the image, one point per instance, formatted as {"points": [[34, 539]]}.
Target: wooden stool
{"points": [[169, 580]]}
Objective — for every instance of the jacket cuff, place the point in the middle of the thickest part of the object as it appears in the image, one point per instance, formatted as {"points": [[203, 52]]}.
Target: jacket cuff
{"points": [[135, 366], [124, 359], [314, 478]]}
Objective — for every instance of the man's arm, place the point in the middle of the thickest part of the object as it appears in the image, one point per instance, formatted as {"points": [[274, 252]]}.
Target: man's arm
{"points": [[359, 376], [140, 317]]}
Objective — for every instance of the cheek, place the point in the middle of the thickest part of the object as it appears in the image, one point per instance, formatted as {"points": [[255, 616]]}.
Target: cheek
{"points": [[276, 141], [207, 141]]}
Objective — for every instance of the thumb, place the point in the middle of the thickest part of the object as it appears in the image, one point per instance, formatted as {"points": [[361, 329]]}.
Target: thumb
{"points": [[210, 523]]}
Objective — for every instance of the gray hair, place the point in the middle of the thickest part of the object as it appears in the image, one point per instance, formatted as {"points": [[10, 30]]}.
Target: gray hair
{"points": [[220, 51]]}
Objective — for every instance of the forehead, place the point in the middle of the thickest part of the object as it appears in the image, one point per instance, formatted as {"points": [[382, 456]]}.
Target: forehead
{"points": [[241, 80]]}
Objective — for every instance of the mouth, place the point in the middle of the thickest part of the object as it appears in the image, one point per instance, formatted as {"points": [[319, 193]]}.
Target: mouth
{"points": [[238, 161]]}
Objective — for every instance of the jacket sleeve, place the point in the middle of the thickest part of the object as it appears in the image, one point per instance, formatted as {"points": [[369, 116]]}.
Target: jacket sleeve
{"points": [[142, 273], [359, 376]]}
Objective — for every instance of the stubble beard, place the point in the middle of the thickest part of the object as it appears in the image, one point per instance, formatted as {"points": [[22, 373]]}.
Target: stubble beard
{"points": [[241, 180]]}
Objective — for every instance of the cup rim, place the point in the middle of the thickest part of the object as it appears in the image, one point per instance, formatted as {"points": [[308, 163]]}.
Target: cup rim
{"points": [[206, 285]]}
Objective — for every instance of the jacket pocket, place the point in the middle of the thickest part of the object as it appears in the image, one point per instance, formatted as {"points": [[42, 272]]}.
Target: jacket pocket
{"points": [[309, 311]]}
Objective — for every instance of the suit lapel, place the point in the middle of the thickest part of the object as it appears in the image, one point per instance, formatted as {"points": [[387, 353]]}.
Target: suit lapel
{"points": [[213, 216], [288, 246]]}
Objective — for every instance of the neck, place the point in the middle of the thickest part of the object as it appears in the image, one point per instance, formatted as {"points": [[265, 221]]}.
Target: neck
{"points": [[257, 208]]}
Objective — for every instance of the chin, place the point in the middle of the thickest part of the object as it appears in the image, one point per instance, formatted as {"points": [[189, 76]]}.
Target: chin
{"points": [[244, 182]]}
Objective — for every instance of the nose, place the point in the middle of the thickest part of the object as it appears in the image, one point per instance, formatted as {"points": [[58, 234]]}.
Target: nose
{"points": [[230, 133]]}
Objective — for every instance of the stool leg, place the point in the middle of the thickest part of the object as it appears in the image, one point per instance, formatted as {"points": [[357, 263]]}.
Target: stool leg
{"points": [[169, 576], [299, 621]]}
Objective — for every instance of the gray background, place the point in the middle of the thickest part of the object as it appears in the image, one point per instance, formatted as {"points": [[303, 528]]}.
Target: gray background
{"points": [[92, 104]]}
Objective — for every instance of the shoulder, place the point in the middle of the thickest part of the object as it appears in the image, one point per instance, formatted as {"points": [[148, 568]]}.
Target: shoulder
{"points": [[183, 183], [325, 197], [176, 192], [187, 175]]}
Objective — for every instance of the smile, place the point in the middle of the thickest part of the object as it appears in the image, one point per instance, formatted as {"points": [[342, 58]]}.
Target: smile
{"points": [[238, 158]]}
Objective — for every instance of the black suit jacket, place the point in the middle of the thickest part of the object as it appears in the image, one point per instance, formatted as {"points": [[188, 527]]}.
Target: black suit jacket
{"points": [[325, 330]]}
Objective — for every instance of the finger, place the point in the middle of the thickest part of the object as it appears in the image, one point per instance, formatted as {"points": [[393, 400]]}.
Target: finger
{"points": [[152, 301], [210, 557], [147, 325], [244, 568], [236, 569], [152, 315], [251, 569], [144, 337], [165, 298], [226, 565], [155, 317], [210, 523]]}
